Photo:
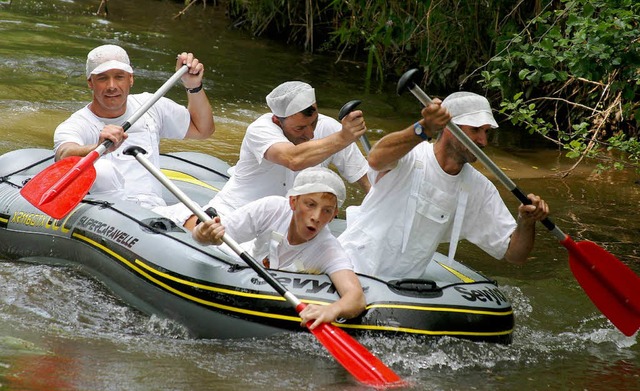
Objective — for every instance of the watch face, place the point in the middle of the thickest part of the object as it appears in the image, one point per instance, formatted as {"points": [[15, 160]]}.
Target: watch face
{"points": [[419, 131]]}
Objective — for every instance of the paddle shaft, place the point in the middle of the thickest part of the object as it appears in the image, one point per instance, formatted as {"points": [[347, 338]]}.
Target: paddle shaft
{"points": [[488, 163], [138, 153], [94, 155]]}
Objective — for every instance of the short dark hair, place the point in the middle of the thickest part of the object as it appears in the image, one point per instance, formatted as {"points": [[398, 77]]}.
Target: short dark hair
{"points": [[308, 112]]}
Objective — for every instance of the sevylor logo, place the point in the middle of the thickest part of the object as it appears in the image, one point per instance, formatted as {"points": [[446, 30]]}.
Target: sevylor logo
{"points": [[483, 295], [311, 285]]}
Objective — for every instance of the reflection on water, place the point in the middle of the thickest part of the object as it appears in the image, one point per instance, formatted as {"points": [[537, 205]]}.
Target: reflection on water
{"points": [[60, 330]]}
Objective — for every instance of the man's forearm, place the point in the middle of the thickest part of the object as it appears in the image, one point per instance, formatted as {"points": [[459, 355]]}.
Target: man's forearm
{"points": [[202, 123], [73, 149], [386, 153], [307, 154], [521, 243]]}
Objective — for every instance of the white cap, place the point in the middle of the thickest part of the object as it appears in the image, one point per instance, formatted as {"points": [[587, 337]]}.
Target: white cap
{"points": [[319, 180], [290, 97], [471, 109], [106, 57]]}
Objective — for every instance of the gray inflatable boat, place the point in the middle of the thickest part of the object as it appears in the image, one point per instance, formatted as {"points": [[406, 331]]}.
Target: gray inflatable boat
{"points": [[157, 267]]}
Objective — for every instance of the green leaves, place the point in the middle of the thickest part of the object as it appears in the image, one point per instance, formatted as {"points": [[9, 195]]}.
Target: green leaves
{"points": [[579, 63]]}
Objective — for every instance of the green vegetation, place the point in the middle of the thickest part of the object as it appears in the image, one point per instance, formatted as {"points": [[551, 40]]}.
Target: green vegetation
{"points": [[446, 39], [566, 69], [572, 74]]}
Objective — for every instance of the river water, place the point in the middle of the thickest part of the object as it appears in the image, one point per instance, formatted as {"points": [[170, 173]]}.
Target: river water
{"points": [[60, 330]]}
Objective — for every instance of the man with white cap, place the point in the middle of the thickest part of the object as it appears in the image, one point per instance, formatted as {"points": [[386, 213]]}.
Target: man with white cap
{"points": [[291, 234], [426, 194], [110, 77], [292, 137]]}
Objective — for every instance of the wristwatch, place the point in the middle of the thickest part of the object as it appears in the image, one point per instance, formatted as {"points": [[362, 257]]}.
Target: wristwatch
{"points": [[194, 90], [419, 131]]}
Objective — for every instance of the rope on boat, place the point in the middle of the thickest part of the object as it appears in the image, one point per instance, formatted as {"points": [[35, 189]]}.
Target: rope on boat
{"points": [[5, 178], [226, 176], [156, 230]]}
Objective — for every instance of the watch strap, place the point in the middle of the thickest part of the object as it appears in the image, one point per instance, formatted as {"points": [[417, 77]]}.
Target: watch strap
{"points": [[194, 90], [419, 131]]}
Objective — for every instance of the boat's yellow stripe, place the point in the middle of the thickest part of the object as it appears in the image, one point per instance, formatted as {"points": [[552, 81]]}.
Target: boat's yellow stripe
{"points": [[423, 332], [220, 290], [441, 309], [182, 177], [171, 289], [279, 298], [456, 273], [3, 220], [208, 287]]}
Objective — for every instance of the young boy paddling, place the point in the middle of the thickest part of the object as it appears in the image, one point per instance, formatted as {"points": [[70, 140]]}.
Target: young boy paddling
{"points": [[291, 234]]}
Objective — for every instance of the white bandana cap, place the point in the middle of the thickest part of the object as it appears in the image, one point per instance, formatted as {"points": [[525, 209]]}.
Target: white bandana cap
{"points": [[106, 57], [319, 180], [470, 109], [290, 97]]}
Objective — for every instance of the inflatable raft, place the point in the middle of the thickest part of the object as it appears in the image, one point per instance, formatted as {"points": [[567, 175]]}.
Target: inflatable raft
{"points": [[157, 267]]}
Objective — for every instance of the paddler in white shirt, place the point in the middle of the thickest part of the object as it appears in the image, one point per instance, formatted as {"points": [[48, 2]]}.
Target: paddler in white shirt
{"points": [[291, 234]]}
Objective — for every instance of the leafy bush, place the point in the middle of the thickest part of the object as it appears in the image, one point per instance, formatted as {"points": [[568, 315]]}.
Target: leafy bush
{"points": [[566, 69], [572, 75]]}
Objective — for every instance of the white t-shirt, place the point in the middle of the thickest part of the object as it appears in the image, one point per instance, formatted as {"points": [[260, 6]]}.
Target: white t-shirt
{"points": [[255, 177], [165, 119], [410, 211], [267, 221]]}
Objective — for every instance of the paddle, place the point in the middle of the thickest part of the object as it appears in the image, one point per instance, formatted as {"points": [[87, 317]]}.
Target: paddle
{"points": [[610, 284], [354, 357], [60, 187], [346, 109]]}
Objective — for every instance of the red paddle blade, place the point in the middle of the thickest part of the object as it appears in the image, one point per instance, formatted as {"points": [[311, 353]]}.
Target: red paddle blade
{"points": [[610, 284], [60, 187], [355, 358]]}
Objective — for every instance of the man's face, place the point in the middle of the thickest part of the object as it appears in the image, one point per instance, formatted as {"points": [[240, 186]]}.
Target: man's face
{"points": [[311, 213], [110, 91], [479, 135], [299, 128]]}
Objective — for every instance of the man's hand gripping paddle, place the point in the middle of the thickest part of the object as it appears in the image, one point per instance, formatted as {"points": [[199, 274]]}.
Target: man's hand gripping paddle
{"points": [[346, 109]]}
